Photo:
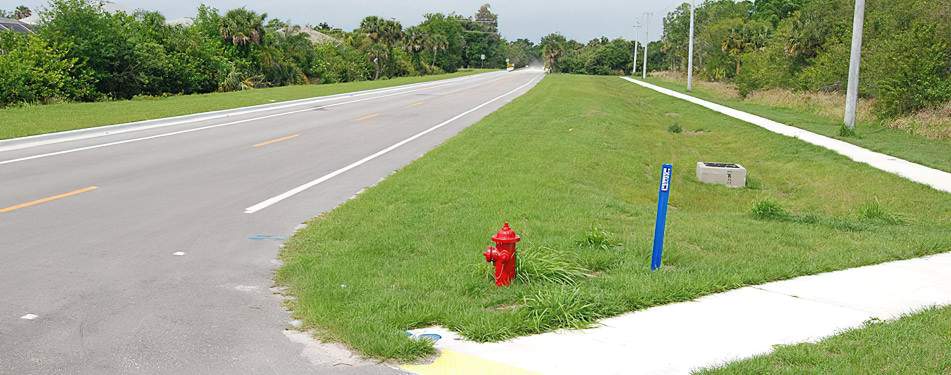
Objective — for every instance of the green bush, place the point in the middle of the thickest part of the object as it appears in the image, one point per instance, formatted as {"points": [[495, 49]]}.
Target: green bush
{"points": [[34, 71], [914, 67]]}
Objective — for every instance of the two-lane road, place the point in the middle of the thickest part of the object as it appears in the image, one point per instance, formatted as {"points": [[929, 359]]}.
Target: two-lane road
{"points": [[153, 250]]}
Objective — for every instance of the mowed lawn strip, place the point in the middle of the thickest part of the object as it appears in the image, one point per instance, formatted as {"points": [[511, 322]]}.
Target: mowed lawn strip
{"points": [[915, 344], [935, 153], [22, 121], [574, 165]]}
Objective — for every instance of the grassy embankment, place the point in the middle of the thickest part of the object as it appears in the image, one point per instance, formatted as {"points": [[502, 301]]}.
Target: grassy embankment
{"points": [[574, 165], [821, 113], [41, 119], [915, 344]]}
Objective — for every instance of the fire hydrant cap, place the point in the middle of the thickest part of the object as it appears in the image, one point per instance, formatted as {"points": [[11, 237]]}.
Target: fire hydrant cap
{"points": [[506, 235]]}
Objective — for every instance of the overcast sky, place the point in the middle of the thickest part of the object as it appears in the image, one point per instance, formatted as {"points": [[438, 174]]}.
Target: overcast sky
{"points": [[580, 20]]}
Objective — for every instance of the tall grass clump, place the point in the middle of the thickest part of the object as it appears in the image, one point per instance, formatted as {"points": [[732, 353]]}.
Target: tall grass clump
{"points": [[874, 211], [598, 238], [545, 265], [770, 210], [559, 308]]}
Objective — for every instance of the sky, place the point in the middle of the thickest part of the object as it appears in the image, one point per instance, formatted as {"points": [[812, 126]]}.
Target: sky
{"points": [[532, 19]]}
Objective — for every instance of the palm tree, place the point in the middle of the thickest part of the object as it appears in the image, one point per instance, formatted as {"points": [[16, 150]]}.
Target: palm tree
{"points": [[745, 37], [438, 42], [22, 12], [553, 46], [734, 44], [241, 27], [383, 35], [414, 40]]}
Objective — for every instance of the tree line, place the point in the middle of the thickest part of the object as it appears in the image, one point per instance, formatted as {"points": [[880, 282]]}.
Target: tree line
{"points": [[600, 56], [82, 52], [804, 45]]}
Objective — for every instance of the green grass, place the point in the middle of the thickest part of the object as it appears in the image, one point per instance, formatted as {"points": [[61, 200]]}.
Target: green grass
{"points": [[574, 166], [935, 153], [915, 344], [29, 120]]}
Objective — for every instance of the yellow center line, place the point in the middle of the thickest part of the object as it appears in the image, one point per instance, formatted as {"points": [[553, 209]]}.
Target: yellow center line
{"points": [[367, 117], [47, 199], [417, 104], [281, 139], [457, 363]]}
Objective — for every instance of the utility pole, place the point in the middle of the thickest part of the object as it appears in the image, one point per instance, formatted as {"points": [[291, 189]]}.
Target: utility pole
{"points": [[855, 60], [646, 42], [634, 70], [637, 27], [690, 50]]}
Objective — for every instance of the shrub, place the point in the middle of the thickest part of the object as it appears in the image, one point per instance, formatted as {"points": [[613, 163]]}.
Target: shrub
{"points": [[915, 72], [35, 71]]}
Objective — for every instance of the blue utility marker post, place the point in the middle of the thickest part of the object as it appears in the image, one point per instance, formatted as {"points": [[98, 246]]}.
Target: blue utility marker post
{"points": [[662, 196]]}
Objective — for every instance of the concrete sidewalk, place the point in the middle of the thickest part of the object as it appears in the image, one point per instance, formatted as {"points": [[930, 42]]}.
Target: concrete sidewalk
{"points": [[712, 330], [935, 178]]}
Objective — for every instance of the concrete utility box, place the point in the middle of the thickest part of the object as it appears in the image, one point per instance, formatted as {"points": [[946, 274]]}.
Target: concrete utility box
{"points": [[731, 175]]}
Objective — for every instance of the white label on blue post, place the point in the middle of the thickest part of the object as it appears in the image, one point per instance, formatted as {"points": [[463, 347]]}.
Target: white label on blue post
{"points": [[663, 196], [665, 179]]}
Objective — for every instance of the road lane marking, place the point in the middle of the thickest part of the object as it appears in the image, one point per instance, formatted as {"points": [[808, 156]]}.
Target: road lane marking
{"points": [[29, 317], [47, 199], [273, 141], [417, 104], [178, 253], [273, 200], [232, 123], [461, 90], [102, 131], [458, 363], [367, 117]]}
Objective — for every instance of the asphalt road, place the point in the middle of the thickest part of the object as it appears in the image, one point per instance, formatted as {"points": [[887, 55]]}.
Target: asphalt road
{"points": [[151, 248]]}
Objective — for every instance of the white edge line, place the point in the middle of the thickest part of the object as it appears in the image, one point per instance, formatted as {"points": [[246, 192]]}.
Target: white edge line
{"points": [[290, 193], [69, 151], [107, 130], [937, 179]]}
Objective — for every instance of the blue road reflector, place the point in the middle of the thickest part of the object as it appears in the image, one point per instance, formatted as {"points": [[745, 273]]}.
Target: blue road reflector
{"points": [[430, 336], [265, 237]]}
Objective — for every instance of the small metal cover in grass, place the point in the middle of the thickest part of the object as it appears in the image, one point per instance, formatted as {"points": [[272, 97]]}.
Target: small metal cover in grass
{"points": [[727, 174]]}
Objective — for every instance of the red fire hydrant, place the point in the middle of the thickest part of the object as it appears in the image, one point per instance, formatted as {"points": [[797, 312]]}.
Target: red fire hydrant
{"points": [[503, 255]]}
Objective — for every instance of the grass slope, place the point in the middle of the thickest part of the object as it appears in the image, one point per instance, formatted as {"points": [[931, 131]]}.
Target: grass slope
{"points": [[41, 119], [915, 344], [574, 165], [935, 153]]}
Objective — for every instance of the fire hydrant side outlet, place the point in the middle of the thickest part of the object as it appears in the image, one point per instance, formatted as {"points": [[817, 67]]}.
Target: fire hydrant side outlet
{"points": [[503, 255]]}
